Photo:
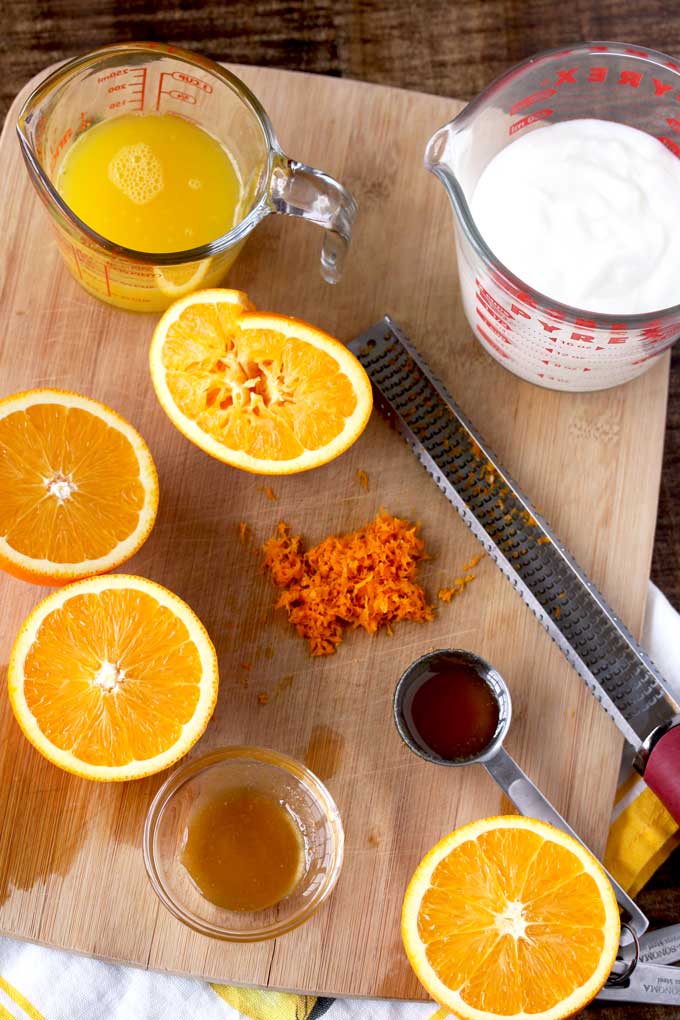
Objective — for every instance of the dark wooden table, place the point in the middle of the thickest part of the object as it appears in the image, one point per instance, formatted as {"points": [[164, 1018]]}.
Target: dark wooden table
{"points": [[449, 47]]}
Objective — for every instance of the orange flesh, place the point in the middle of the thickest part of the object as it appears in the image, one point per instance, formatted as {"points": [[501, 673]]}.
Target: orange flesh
{"points": [[551, 909], [70, 484], [112, 677], [254, 390]]}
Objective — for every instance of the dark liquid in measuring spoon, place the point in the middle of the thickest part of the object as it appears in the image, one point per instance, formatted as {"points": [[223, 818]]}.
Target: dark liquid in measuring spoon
{"points": [[453, 712]]}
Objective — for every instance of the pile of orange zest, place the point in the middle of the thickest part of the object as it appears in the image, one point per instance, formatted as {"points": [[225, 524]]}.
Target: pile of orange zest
{"points": [[362, 478], [365, 578]]}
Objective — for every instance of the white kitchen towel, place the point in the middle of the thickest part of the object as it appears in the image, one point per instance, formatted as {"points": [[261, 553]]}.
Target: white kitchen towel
{"points": [[37, 983]]}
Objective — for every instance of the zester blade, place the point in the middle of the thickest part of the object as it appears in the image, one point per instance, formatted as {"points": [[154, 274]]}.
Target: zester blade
{"points": [[619, 673]]}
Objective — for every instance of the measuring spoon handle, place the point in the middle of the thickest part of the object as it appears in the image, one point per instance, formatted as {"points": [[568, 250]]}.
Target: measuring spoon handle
{"points": [[529, 800], [649, 983], [661, 946]]}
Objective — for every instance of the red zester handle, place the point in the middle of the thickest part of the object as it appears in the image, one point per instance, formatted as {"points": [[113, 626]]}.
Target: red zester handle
{"points": [[662, 772]]}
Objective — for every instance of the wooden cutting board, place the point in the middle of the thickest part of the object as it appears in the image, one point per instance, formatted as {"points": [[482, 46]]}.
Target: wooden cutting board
{"points": [[71, 871]]}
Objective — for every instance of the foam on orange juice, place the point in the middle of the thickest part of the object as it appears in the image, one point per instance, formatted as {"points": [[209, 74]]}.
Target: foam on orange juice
{"points": [[151, 182]]}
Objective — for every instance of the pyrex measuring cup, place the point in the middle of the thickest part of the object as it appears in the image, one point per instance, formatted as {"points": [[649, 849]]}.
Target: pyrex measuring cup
{"points": [[150, 78], [526, 797], [538, 339]]}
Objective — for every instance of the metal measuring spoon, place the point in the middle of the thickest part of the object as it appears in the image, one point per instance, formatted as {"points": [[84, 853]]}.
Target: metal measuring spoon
{"points": [[526, 797]]}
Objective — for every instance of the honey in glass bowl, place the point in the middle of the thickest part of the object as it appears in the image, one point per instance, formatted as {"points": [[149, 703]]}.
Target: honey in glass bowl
{"points": [[243, 844], [243, 849]]}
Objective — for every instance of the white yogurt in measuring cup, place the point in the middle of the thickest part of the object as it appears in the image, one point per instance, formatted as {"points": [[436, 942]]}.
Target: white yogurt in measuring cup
{"points": [[588, 213]]}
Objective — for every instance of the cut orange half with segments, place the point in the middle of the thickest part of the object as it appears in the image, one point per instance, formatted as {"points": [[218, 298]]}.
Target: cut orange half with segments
{"points": [[509, 917], [259, 391], [113, 678], [78, 487]]}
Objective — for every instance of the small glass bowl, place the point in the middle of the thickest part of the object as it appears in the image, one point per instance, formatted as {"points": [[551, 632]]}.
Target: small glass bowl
{"points": [[286, 780]]}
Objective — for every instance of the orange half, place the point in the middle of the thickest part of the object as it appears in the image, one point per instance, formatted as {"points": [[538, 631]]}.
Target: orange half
{"points": [[511, 918], [259, 391], [78, 487], [113, 677]]}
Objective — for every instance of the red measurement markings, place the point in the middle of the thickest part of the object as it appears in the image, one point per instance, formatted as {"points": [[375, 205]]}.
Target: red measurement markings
{"points": [[84, 123], [118, 73], [183, 97], [492, 343], [189, 79], [126, 92], [59, 147], [535, 97], [486, 309], [530, 119], [648, 357], [106, 277], [180, 95], [670, 145], [490, 303], [547, 327], [489, 325], [656, 334]]}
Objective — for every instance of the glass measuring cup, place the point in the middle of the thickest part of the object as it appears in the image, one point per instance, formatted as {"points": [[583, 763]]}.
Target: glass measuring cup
{"points": [[152, 78], [533, 336], [502, 768]]}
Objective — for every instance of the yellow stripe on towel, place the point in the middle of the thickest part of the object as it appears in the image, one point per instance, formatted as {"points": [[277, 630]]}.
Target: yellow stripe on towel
{"points": [[641, 837], [257, 1004], [20, 1000]]}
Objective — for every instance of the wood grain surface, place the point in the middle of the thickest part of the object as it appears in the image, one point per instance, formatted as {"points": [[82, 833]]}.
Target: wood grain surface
{"points": [[70, 861], [449, 48]]}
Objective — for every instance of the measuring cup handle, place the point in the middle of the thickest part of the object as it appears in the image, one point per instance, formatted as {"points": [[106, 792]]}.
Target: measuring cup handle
{"points": [[299, 190], [529, 800]]}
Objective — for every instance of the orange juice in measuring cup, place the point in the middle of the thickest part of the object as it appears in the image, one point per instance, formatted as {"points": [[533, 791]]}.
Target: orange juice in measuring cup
{"points": [[155, 165]]}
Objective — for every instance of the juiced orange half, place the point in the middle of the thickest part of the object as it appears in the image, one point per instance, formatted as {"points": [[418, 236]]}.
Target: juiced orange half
{"points": [[259, 391]]}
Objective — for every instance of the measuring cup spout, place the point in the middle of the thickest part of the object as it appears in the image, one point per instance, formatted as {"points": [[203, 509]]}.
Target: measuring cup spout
{"points": [[439, 154], [435, 150], [299, 190]]}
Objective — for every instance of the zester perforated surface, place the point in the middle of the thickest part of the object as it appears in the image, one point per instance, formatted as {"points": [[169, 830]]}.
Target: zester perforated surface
{"points": [[565, 602]]}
